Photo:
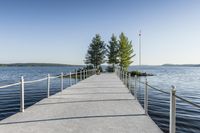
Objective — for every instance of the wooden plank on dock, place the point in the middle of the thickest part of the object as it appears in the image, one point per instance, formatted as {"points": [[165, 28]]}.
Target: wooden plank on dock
{"points": [[99, 104]]}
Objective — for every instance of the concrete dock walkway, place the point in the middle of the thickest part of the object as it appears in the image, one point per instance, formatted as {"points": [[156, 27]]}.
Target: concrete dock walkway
{"points": [[99, 104]]}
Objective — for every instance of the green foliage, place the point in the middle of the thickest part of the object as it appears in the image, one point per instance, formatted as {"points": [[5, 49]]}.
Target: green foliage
{"points": [[118, 52], [138, 73], [113, 51], [96, 52], [125, 52], [88, 67], [133, 73]]}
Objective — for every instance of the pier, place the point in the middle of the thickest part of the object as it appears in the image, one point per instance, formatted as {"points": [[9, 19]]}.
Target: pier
{"points": [[98, 104]]}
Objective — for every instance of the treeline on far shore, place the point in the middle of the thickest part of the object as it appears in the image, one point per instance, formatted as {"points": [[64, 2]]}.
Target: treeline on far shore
{"points": [[182, 65], [34, 64]]}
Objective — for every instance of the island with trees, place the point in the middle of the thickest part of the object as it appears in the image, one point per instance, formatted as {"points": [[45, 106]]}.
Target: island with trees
{"points": [[118, 52]]}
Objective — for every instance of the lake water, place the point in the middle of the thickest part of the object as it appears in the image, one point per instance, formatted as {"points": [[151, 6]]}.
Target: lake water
{"points": [[186, 80]]}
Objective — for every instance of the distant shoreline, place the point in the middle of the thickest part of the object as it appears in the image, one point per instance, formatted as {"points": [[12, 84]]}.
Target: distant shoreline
{"points": [[170, 65], [182, 65], [71, 65], [35, 65]]}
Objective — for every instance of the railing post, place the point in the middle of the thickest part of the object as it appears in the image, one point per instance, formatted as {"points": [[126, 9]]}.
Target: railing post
{"points": [[129, 81], [146, 97], [135, 87], [119, 74], [173, 110], [86, 71], [61, 81], [83, 74], [122, 75], [126, 79], [80, 74], [70, 79], [117, 71], [22, 95], [76, 76], [48, 85]]}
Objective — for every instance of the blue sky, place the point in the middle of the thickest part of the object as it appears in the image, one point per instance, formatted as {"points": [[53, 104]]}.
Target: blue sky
{"points": [[59, 31]]}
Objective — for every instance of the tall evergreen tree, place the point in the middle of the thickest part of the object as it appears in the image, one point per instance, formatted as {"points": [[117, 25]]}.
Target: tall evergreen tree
{"points": [[113, 51], [125, 52], [96, 52]]}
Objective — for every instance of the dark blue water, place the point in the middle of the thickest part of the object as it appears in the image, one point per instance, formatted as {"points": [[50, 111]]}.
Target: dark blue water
{"points": [[187, 82], [10, 98]]}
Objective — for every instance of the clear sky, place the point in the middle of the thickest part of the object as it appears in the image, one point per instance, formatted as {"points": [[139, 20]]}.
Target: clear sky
{"points": [[59, 31]]}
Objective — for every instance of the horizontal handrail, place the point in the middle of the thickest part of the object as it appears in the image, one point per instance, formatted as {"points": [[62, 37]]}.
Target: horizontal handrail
{"points": [[39, 80], [183, 99], [54, 77], [152, 87], [187, 101], [10, 85], [158, 89]]}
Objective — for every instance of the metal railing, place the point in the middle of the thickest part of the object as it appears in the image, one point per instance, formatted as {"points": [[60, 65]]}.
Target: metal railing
{"points": [[82, 73], [127, 80]]}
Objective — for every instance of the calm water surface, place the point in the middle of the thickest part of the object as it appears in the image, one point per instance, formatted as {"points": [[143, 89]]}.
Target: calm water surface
{"points": [[186, 80]]}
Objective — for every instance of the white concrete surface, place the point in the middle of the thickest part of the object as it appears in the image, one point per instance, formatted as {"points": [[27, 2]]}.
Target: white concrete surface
{"points": [[99, 104]]}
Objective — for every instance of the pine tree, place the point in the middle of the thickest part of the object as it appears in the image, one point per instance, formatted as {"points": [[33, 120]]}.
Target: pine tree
{"points": [[96, 52], [125, 52], [113, 51]]}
